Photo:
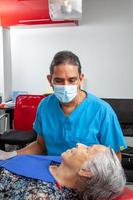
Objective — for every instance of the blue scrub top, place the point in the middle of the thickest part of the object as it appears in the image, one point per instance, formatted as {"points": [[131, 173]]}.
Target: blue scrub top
{"points": [[92, 122]]}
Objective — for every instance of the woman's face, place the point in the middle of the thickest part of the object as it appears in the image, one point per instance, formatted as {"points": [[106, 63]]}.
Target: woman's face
{"points": [[76, 157]]}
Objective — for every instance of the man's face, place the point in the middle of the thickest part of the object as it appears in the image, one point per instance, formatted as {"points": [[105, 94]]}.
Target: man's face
{"points": [[76, 157], [65, 74]]}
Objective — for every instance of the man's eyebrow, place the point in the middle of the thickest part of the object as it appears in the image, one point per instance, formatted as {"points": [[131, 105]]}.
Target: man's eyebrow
{"points": [[59, 78], [74, 77]]}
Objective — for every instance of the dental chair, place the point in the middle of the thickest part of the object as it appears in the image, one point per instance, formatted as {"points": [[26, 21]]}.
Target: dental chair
{"points": [[127, 194], [124, 110]]}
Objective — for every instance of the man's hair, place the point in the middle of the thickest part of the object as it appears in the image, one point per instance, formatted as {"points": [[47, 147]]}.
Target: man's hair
{"points": [[65, 57], [107, 180]]}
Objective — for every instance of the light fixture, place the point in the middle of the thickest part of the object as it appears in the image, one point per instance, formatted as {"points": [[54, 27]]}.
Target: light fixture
{"points": [[66, 6], [65, 9]]}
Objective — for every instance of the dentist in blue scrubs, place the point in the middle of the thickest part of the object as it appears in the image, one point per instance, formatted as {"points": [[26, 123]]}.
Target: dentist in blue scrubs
{"points": [[71, 115]]}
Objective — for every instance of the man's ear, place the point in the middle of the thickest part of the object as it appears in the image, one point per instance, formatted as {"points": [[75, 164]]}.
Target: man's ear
{"points": [[85, 173], [49, 77], [81, 77]]}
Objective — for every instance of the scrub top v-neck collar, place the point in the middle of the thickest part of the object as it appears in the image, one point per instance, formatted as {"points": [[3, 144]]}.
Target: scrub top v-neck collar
{"points": [[73, 114]]}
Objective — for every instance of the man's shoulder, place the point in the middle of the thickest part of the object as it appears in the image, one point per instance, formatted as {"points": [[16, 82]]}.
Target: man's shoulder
{"points": [[98, 102], [47, 100], [47, 103]]}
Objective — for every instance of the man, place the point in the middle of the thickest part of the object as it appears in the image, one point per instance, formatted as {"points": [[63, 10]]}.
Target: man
{"points": [[92, 172], [70, 115]]}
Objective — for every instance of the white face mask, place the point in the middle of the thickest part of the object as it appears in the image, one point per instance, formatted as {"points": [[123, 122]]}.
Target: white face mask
{"points": [[65, 93]]}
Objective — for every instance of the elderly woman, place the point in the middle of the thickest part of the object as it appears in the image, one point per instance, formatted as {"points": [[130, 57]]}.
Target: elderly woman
{"points": [[88, 173]]}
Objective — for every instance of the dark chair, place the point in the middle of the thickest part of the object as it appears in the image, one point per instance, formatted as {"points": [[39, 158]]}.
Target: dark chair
{"points": [[124, 110], [24, 115]]}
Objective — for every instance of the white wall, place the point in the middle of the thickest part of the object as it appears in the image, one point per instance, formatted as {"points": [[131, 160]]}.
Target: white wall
{"points": [[103, 41], [1, 63], [5, 65]]}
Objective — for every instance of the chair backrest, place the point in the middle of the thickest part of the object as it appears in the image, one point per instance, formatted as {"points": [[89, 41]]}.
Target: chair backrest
{"points": [[123, 109], [25, 111], [126, 195]]}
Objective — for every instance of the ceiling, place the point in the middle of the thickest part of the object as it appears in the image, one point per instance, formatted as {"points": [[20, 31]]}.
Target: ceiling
{"points": [[25, 12]]}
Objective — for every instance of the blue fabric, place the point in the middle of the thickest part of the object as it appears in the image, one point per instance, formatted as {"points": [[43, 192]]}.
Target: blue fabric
{"points": [[92, 122], [32, 166]]}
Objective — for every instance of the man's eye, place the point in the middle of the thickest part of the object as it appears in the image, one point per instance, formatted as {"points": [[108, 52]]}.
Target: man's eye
{"points": [[72, 80], [58, 81]]}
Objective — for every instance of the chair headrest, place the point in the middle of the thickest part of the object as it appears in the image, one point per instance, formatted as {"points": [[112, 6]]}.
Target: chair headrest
{"points": [[127, 194]]}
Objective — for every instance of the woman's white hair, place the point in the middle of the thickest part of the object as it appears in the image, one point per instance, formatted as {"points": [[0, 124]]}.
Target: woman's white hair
{"points": [[107, 180]]}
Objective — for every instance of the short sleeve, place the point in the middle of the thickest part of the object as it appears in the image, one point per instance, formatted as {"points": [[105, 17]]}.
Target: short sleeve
{"points": [[110, 131], [37, 125]]}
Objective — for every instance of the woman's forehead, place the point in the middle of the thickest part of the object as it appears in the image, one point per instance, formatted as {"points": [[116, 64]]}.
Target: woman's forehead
{"points": [[97, 146]]}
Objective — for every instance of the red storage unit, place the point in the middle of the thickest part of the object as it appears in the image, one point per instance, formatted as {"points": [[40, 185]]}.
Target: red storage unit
{"points": [[22, 12]]}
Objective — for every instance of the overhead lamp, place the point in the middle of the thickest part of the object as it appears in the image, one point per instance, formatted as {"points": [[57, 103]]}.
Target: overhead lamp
{"points": [[65, 9], [66, 6]]}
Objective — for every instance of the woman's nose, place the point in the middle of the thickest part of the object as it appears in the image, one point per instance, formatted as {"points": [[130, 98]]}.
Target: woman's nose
{"points": [[80, 145]]}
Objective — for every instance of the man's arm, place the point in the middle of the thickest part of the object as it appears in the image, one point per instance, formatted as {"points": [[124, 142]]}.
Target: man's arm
{"points": [[37, 147]]}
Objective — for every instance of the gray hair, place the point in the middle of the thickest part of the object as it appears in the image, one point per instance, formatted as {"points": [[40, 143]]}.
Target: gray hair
{"points": [[107, 180], [65, 57]]}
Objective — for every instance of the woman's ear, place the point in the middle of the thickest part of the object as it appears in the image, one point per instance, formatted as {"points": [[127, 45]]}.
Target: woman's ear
{"points": [[84, 173]]}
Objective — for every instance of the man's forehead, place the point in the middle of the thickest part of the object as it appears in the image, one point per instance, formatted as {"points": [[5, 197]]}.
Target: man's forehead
{"points": [[65, 67]]}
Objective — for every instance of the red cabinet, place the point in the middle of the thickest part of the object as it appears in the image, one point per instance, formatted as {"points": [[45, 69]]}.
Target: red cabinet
{"points": [[22, 12]]}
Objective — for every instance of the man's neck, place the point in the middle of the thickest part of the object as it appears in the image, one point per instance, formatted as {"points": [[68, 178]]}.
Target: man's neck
{"points": [[69, 107]]}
